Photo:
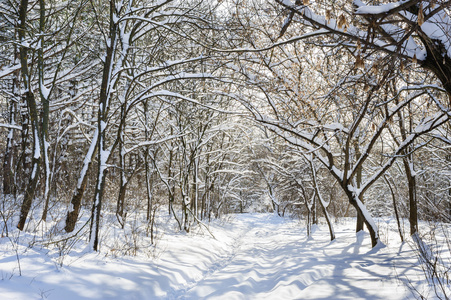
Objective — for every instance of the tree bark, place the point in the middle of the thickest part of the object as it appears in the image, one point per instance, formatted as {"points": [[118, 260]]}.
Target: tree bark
{"points": [[35, 163], [103, 153], [9, 185], [361, 210], [360, 220], [33, 115], [45, 113], [321, 200], [413, 210], [72, 214], [395, 208]]}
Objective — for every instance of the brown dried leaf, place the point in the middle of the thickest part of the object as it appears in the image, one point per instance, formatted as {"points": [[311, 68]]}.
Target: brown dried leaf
{"points": [[374, 68], [420, 15], [433, 2], [341, 21], [359, 63]]}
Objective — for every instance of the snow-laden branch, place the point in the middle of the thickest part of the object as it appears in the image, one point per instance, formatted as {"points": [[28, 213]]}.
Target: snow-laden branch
{"points": [[393, 40], [151, 143], [10, 126], [428, 125]]}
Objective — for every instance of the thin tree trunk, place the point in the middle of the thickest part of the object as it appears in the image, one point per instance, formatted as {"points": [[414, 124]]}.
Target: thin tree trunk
{"points": [[203, 209], [413, 210], [170, 179], [410, 173], [103, 153], [35, 162], [72, 214], [32, 111], [308, 207], [100, 186], [123, 182], [149, 185], [9, 186], [44, 95], [321, 200], [9, 182], [395, 208]]}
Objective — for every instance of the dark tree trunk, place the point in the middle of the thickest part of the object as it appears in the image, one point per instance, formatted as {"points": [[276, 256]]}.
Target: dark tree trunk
{"points": [[45, 114], [72, 214], [35, 163], [360, 220], [33, 115], [360, 212], [9, 185], [413, 210], [103, 154], [395, 208]]}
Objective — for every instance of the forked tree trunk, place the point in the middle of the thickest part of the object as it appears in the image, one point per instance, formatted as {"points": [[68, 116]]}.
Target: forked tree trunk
{"points": [[362, 211]]}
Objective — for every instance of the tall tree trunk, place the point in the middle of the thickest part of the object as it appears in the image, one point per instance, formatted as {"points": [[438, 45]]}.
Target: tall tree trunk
{"points": [[9, 184], [33, 115], [9, 181], [103, 153], [44, 95], [410, 172]]}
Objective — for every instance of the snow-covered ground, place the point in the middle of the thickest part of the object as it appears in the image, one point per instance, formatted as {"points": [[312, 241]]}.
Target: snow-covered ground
{"points": [[253, 256]]}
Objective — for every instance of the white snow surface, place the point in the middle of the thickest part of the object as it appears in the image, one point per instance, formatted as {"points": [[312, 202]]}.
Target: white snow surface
{"points": [[375, 9], [254, 256]]}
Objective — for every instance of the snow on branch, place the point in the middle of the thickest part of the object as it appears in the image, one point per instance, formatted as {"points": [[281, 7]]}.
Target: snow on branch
{"points": [[10, 126]]}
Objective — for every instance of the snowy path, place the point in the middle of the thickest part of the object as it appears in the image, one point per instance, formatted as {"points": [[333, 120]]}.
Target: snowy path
{"points": [[271, 260], [256, 256]]}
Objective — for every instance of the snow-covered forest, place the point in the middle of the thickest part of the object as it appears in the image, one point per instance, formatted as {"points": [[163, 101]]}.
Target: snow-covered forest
{"points": [[139, 132]]}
